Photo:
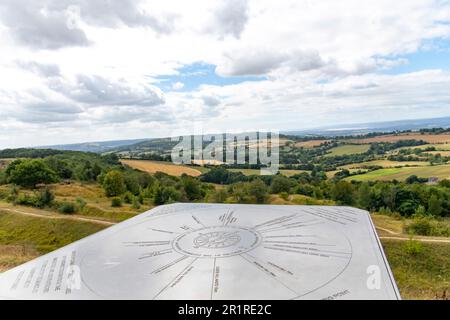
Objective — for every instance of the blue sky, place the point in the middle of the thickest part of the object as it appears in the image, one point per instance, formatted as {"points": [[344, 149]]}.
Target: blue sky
{"points": [[196, 74]]}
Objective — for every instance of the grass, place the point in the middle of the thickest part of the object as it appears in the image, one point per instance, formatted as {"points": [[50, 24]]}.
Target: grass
{"points": [[441, 172], [423, 275], [348, 149], [44, 235], [160, 166], [13, 255], [97, 204]]}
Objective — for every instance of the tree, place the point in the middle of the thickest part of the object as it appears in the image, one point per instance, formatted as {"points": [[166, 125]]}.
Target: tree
{"points": [[259, 190], [166, 195], [342, 192], [114, 183], [280, 184], [192, 188], [434, 206], [29, 173], [364, 196]]}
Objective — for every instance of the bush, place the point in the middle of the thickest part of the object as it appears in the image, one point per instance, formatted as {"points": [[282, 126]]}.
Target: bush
{"points": [[258, 189], [284, 196], [44, 198], [128, 197], [280, 184], [114, 183], [420, 226], [136, 204], [220, 196], [67, 208], [81, 203], [413, 247], [427, 226], [116, 202], [165, 195]]}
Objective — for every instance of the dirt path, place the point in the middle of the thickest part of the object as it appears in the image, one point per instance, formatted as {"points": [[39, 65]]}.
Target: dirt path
{"points": [[387, 230], [52, 216], [417, 239]]}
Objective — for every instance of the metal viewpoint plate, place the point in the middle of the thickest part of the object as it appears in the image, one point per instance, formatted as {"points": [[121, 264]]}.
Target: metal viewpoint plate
{"points": [[209, 251]]}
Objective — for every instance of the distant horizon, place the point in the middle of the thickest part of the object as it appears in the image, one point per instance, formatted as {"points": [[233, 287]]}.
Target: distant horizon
{"points": [[84, 71], [324, 129]]}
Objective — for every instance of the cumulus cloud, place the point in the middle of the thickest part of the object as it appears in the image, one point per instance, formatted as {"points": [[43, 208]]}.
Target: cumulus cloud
{"points": [[211, 101], [316, 62], [112, 14], [41, 69], [48, 112], [178, 85], [33, 25], [230, 18], [257, 62], [96, 90], [53, 24]]}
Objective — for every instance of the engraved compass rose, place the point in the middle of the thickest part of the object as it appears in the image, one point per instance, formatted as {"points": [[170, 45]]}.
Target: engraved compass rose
{"points": [[220, 239]]}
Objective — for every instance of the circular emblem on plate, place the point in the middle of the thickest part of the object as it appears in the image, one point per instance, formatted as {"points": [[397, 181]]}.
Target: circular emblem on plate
{"points": [[217, 242]]}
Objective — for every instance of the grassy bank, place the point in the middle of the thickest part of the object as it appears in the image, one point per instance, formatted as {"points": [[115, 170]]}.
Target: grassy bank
{"points": [[420, 273]]}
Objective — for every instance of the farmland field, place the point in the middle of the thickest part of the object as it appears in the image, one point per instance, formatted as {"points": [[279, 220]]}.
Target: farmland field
{"points": [[159, 166], [430, 138], [386, 164], [442, 153], [349, 149], [311, 143], [441, 172]]}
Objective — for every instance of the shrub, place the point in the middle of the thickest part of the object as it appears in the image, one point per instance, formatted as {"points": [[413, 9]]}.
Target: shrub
{"points": [[44, 198], [421, 226], [136, 204], [427, 226], [25, 199], [81, 203], [284, 196], [280, 184], [114, 183], [413, 247], [67, 208], [128, 197], [220, 196], [116, 202], [258, 189]]}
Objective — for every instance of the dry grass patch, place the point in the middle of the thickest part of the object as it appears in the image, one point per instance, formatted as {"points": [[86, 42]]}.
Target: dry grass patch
{"points": [[311, 144], [14, 255], [429, 138], [158, 166]]}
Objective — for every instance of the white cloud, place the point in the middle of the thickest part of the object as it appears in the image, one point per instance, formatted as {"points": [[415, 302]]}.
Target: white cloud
{"points": [[322, 62], [178, 85]]}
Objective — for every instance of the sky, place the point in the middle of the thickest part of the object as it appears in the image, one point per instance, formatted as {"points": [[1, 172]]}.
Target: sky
{"points": [[92, 70]]}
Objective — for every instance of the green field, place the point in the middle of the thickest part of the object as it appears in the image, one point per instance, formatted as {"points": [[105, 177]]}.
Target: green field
{"points": [[439, 147], [349, 149], [43, 234], [441, 172]]}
